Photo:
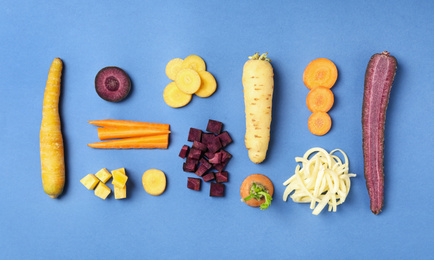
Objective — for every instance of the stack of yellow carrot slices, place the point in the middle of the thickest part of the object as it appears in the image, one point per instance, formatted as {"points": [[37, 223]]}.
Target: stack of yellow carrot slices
{"points": [[131, 134]]}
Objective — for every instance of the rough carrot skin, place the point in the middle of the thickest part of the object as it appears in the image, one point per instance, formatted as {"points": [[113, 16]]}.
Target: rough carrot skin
{"points": [[147, 142], [379, 77], [105, 133], [127, 123], [258, 85], [50, 136]]}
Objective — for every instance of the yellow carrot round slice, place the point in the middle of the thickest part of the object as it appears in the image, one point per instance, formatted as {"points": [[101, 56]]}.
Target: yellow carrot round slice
{"points": [[154, 182], [175, 97], [173, 67], [194, 62], [188, 81], [208, 84]]}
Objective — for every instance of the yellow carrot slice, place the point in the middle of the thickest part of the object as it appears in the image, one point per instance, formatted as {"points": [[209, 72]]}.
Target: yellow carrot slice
{"points": [[126, 123], [173, 67], [105, 133], [208, 84], [50, 136], [146, 142], [154, 182], [175, 97], [194, 62], [188, 81]]}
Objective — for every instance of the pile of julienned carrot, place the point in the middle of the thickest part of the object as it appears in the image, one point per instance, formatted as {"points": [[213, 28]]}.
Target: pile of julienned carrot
{"points": [[131, 134]]}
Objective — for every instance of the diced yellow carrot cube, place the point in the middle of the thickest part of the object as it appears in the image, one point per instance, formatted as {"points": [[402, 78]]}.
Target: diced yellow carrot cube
{"points": [[120, 193], [119, 178], [102, 191], [103, 175], [89, 181]]}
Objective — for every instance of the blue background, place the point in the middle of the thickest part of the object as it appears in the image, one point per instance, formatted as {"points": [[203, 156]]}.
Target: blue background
{"points": [[141, 37]]}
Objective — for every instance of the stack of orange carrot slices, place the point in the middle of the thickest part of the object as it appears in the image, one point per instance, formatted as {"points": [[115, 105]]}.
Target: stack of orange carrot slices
{"points": [[131, 134]]}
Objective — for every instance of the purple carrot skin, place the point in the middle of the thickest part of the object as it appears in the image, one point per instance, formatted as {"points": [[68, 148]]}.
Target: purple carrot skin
{"points": [[378, 83]]}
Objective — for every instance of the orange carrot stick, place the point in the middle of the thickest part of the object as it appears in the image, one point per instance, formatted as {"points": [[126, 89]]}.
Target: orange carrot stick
{"points": [[126, 123], [146, 142], [105, 133]]}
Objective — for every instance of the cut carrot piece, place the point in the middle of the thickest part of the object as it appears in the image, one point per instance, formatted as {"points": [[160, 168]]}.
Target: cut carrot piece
{"points": [[175, 97], [320, 99], [147, 142], [319, 123], [173, 67], [194, 62], [105, 133], [154, 182], [260, 181], [188, 81], [126, 123], [208, 85], [320, 72]]}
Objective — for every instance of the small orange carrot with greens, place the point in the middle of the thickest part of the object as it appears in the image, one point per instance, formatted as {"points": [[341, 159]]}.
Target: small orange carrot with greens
{"points": [[257, 191], [320, 99], [320, 72], [105, 133], [127, 123], [319, 123], [147, 142], [50, 136]]}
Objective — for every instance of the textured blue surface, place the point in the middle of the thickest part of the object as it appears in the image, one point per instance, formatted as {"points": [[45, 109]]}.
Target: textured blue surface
{"points": [[141, 37]]}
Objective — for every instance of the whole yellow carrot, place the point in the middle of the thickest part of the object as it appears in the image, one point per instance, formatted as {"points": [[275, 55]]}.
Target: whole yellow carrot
{"points": [[50, 136], [258, 85]]}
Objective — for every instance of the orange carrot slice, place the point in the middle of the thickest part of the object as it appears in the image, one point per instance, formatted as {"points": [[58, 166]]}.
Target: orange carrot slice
{"points": [[147, 142], [319, 123], [105, 133], [258, 179], [117, 123], [320, 99], [320, 72]]}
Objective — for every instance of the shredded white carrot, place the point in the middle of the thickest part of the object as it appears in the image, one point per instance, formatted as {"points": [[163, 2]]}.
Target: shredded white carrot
{"points": [[322, 179]]}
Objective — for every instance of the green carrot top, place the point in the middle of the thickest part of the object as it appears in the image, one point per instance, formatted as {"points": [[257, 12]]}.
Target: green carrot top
{"points": [[258, 192], [263, 56]]}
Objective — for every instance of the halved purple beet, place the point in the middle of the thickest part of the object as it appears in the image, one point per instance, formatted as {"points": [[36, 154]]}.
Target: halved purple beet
{"points": [[221, 177], [225, 138], [201, 170], [200, 146], [226, 156], [216, 159], [189, 166], [379, 77], [112, 84], [217, 190], [193, 183], [194, 135], [184, 151], [194, 154], [214, 126], [205, 163], [208, 177], [207, 137], [214, 144]]}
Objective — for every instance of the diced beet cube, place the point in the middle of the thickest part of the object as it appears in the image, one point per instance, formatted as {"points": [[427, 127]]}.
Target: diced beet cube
{"points": [[194, 135], [214, 126], [200, 146], [209, 155], [193, 183], [208, 177], [194, 154], [217, 190], [206, 137], [214, 144], [201, 170], [225, 138], [205, 163], [216, 159], [184, 151], [226, 156], [194, 161], [189, 166], [221, 177], [219, 167]]}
